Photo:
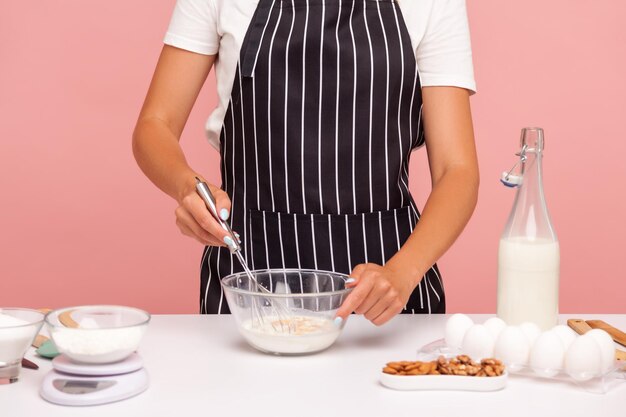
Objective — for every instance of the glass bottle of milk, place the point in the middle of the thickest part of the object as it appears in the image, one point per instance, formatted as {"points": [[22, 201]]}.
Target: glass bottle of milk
{"points": [[529, 257]]}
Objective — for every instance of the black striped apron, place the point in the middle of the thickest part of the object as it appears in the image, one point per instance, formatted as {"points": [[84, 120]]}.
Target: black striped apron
{"points": [[324, 113]]}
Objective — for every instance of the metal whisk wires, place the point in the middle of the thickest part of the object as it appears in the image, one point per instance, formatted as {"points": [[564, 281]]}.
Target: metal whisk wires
{"points": [[281, 321]]}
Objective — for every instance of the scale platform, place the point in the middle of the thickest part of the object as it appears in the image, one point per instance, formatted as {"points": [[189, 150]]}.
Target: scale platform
{"points": [[74, 384]]}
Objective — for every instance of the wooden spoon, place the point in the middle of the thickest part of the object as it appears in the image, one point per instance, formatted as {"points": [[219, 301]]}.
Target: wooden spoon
{"points": [[45, 346], [617, 335], [66, 319]]}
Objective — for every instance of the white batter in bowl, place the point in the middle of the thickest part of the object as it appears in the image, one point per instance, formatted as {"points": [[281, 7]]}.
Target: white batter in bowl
{"points": [[310, 335]]}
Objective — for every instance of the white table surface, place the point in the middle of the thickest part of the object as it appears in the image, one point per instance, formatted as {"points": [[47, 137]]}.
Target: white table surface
{"points": [[199, 365]]}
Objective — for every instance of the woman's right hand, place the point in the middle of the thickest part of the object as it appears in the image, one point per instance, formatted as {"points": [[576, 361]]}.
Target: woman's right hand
{"points": [[194, 219]]}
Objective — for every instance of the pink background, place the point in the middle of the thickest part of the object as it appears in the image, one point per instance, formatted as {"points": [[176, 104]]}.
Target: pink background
{"points": [[80, 224]]}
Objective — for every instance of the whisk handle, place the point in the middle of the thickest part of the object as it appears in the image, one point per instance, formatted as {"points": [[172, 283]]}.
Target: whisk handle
{"points": [[205, 193]]}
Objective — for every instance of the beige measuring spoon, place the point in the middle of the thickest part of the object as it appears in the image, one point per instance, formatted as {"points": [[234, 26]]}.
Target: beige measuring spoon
{"points": [[581, 327], [45, 346]]}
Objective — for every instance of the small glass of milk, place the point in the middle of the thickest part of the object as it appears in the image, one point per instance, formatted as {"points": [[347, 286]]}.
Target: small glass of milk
{"points": [[18, 328]]}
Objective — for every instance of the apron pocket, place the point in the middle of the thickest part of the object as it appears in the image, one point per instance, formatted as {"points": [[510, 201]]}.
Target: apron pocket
{"points": [[327, 242]]}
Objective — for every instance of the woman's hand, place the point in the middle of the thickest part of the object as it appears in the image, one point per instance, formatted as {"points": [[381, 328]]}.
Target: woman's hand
{"points": [[380, 292], [194, 219]]}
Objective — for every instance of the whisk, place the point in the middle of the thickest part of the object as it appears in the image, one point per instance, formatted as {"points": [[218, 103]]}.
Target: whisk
{"points": [[285, 322]]}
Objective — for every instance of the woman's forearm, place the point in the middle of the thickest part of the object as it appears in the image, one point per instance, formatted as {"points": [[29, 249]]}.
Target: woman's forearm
{"points": [[447, 211], [163, 116], [160, 157], [454, 170], [175, 86]]}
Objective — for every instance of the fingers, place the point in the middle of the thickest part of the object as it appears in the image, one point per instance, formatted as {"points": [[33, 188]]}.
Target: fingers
{"points": [[194, 205], [391, 311], [222, 202], [356, 297], [187, 232], [354, 276], [189, 227], [381, 290], [358, 270], [388, 301], [374, 296]]}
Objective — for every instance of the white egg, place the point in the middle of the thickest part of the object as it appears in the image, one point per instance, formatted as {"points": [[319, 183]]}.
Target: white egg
{"points": [[583, 359], [495, 325], [512, 348], [546, 354], [478, 342], [566, 334], [607, 348], [456, 326], [531, 330]]}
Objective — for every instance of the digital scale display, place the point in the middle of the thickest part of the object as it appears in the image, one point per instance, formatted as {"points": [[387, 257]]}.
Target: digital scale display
{"points": [[77, 386]]}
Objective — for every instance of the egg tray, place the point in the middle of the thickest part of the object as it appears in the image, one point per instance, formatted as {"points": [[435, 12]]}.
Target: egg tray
{"points": [[600, 384]]}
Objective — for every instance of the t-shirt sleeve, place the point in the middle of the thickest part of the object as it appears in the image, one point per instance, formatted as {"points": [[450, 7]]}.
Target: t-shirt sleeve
{"points": [[193, 27], [444, 56]]}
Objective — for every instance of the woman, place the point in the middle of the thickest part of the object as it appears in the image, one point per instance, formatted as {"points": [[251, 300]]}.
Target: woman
{"points": [[320, 104]]}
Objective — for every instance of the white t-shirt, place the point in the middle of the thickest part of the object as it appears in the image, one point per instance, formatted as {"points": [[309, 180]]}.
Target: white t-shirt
{"points": [[438, 29]]}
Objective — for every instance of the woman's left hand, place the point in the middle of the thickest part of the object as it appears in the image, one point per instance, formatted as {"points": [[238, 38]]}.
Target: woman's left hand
{"points": [[380, 293]]}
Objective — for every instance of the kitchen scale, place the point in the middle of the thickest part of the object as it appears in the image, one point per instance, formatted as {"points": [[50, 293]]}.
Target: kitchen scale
{"points": [[78, 384]]}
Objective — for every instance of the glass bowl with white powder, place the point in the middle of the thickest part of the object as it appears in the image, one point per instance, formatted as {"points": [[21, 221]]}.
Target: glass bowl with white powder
{"points": [[18, 328], [297, 313], [97, 334]]}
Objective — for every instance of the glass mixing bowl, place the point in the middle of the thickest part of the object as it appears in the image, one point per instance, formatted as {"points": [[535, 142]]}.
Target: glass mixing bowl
{"points": [[97, 334], [18, 328], [296, 317]]}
